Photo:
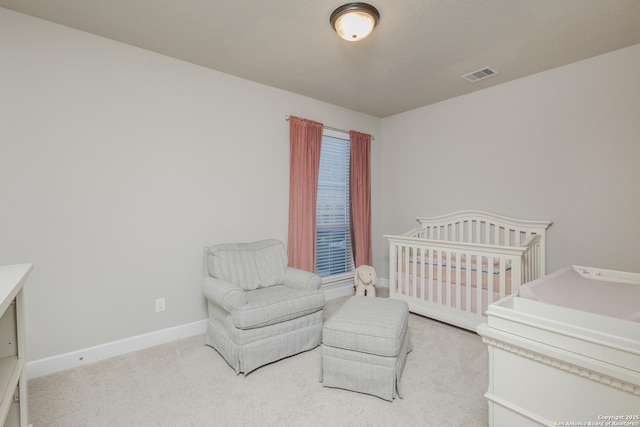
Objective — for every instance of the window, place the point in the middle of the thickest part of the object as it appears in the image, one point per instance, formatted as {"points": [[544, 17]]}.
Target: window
{"points": [[334, 257]]}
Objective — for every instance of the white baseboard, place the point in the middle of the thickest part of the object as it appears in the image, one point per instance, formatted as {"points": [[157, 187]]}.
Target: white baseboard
{"points": [[338, 290], [344, 289], [53, 364]]}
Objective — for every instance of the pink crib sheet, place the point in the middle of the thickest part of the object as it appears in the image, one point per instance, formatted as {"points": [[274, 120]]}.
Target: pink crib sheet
{"points": [[568, 288]]}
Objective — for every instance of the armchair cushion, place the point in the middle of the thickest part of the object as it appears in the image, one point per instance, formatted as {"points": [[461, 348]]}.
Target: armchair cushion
{"points": [[275, 304], [249, 265]]}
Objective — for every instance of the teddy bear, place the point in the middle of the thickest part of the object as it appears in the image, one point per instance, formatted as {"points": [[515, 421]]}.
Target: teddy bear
{"points": [[365, 280]]}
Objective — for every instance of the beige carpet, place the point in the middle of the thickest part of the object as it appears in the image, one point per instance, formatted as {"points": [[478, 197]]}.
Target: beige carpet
{"points": [[186, 383]]}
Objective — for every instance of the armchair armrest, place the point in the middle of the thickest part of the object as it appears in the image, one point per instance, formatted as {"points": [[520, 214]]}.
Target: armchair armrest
{"points": [[225, 294], [300, 279]]}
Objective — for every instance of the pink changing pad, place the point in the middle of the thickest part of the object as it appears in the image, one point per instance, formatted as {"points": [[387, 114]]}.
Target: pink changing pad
{"points": [[587, 289]]}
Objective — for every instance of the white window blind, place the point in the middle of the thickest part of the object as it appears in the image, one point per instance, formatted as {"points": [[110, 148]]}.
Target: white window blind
{"points": [[333, 218]]}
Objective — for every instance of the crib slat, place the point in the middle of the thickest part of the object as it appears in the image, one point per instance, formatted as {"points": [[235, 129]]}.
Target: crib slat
{"points": [[411, 271], [444, 268], [503, 278], [458, 280], [467, 262], [442, 275], [422, 278], [437, 280], [478, 284], [525, 269], [538, 263], [429, 295], [392, 272], [489, 281], [416, 271], [398, 267], [406, 281], [448, 287]]}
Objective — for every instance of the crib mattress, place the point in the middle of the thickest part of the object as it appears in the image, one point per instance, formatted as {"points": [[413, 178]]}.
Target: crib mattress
{"points": [[473, 265], [489, 273], [605, 292]]}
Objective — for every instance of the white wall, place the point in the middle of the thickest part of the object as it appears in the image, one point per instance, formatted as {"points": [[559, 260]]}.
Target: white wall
{"points": [[561, 145], [118, 165]]}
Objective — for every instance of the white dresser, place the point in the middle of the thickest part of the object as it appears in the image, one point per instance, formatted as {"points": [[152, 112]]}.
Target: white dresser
{"points": [[553, 365], [13, 381]]}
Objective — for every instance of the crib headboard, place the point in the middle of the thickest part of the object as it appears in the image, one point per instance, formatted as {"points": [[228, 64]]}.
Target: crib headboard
{"points": [[473, 226]]}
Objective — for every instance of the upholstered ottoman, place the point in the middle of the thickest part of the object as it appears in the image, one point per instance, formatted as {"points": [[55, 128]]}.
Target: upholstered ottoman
{"points": [[365, 345]]}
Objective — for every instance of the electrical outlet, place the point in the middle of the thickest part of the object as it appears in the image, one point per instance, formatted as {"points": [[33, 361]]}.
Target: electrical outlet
{"points": [[159, 305]]}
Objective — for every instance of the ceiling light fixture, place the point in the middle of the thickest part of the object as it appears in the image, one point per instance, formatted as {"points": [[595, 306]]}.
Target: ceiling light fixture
{"points": [[354, 21]]}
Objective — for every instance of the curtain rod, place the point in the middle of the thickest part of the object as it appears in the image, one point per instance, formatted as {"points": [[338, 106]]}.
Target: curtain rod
{"points": [[331, 128]]}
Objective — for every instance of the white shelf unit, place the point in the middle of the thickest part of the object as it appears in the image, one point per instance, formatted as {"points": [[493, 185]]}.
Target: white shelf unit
{"points": [[13, 381]]}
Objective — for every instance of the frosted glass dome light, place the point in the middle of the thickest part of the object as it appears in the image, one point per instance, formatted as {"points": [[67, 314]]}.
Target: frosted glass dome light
{"points": [[354, 21]]}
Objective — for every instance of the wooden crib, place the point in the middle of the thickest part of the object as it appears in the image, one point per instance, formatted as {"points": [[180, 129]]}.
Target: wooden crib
{"points": [[453, 266]]}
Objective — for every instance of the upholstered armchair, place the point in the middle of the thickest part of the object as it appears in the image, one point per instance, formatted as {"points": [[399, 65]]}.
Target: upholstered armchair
{"points": [[260, 310]]}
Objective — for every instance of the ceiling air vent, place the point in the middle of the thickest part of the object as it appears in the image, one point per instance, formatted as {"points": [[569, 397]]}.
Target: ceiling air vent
{"points": [[480, 75]]}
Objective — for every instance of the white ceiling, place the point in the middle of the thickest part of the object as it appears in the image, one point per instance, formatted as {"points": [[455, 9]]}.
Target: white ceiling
{"points": [[415, 57]]}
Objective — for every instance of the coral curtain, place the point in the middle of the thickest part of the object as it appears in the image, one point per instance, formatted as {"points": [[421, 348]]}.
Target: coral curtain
{"points": [[305, 141], [360, 179]]}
